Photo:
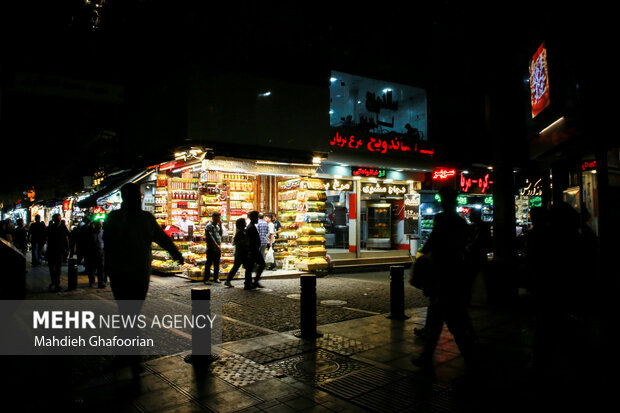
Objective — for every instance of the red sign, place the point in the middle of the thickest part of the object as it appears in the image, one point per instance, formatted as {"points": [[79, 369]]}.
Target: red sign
{"points": [[99, 210], [361, 171], [378, 145], [539, 81], [443, 174], [587, 166], [66, 205], [480, 185]]}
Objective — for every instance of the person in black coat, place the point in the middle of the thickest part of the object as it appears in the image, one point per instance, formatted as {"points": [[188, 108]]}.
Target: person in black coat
{"points": [[36, 236], [254, 257], [448, 290], [57, 240]]}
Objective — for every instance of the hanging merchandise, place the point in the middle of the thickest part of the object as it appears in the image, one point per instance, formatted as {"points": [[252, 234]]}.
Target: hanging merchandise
{"points": [[301, 204]]}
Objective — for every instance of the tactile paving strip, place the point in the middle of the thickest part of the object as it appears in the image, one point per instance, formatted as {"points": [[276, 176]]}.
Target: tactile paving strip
{"points": [[317, 367], [239, 371], [342, 345]]}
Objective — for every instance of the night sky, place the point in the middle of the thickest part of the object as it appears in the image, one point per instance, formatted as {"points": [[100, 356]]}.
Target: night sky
{"points": [[452, 49]]}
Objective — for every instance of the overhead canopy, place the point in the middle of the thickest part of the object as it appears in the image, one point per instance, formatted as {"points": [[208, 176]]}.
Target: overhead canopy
{"points": [[113, 184]]}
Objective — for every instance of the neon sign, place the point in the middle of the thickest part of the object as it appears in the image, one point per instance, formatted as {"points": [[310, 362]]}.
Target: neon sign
{"points": [[337, 185], [539, 81], [586, 166], [377, 145], [531, 189], [443, 174], [461, 200], [481, 184], [99, 213], [361, 171], [384, 189]]}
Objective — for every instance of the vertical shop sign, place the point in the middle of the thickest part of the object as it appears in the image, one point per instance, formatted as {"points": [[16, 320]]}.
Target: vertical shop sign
{"points": [[412, 214], [539, 81]]}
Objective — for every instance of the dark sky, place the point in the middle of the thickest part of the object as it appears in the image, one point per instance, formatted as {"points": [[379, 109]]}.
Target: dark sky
{"points": [[448, 47]]}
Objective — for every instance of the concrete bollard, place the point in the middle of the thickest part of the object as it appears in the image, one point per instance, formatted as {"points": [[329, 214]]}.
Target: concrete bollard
{"points": [[201, 338], [397, 293], [308, 307], [72, 276]]}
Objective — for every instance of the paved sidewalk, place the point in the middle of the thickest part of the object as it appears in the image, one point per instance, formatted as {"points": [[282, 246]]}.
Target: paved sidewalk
{"points": [[357, 365]]}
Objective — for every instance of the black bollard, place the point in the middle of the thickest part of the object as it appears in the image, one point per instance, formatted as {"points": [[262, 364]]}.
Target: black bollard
{"points": [[308, 307], [72, 274], [201, 337], [397, 293]]}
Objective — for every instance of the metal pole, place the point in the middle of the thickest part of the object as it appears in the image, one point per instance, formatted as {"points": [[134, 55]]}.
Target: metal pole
{"points": [[397, 293], [201, 337], [358, 219], [308, 307]]}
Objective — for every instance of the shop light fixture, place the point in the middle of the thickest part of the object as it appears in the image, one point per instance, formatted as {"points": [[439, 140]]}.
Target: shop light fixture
{"points": [[338, 176], [333, 79], [372, 179], [316, 160], [357, 178], [409, 181], [552, 125], [388, 180], [264, 94]]}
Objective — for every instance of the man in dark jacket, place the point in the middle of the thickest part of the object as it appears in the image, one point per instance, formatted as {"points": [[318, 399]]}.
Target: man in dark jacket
{"points": [[255, 256], [36, 236], [448, 290], [57, 241]]}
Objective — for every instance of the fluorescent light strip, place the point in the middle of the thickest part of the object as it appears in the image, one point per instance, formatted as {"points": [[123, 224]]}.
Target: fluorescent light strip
{"points": [[552, 125]]}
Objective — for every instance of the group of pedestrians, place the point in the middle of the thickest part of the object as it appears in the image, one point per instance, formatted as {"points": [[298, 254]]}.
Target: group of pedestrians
{"points": [[252, 241]]}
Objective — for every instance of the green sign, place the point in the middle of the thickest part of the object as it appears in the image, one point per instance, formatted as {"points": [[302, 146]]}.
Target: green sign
{"points": [[461, 200]]}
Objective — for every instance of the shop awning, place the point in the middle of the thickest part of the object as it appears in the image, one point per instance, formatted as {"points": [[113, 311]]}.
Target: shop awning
{"points": [[113, 184]]}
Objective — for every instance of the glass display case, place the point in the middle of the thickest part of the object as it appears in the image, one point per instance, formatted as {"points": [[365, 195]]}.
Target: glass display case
{"points": [[379, 226]]}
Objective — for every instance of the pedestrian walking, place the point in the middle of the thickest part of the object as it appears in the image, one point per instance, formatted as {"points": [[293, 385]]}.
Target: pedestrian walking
{"points": [[66, 250], [242, 250], [128, 233], [256, 258], [36, 236], [95, 253], [448, 289], [477, 249], [20, 236], [213, 235], [270, 238], [263, 231], [57, 242]]}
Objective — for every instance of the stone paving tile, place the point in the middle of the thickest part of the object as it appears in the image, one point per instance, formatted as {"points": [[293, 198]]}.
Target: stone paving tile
{"points": [[270, 389], [161, 399]]}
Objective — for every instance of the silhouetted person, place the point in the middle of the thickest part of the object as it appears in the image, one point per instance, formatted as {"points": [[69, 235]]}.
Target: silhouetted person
{"points": [[94, 258], [20, 236], [57, 241], [128, 233], [448, 289], [255, 257], [213, 235], [477, 248], [36, 236], [242, 250]]}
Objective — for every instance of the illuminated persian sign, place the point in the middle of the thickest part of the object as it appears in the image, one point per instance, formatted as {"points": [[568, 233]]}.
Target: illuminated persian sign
{"points": [[443, 174], [531, 189], [338, 185], [369, 172], [539, 81], [411, 214], [384, 189], [476, 185], [392, 145]]}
